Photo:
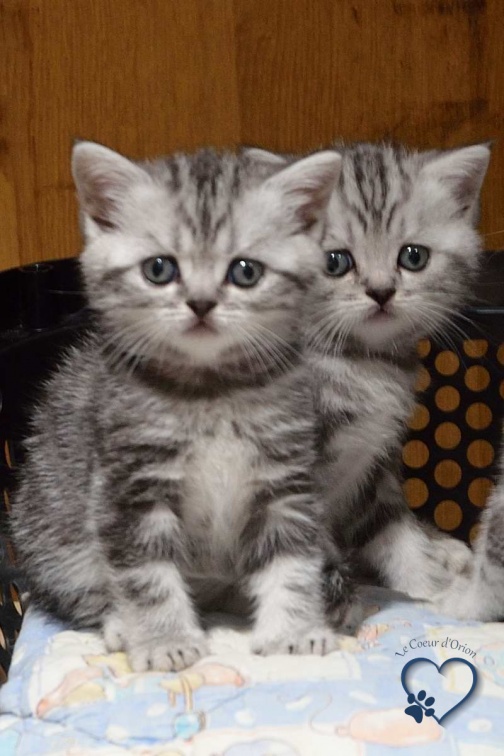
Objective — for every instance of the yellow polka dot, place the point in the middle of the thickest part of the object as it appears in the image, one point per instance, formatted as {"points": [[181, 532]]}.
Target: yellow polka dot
{"points": [[7, 456], [479, 490], [474, 533], [477, 378], [423, 348], [448, 515], [447, 435], [478, 416], [423, 379], [447, 363], [14, 594], [416, 492], [447, 473], [475, 347], [480, 453], [447, 398], [420, 418], [500, 354], [415, 453]]}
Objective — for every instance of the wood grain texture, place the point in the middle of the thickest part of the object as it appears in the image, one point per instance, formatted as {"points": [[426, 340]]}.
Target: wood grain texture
{"points": [[150, 76]]}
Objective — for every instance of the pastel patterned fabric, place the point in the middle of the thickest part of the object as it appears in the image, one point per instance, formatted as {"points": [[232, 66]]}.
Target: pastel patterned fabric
{"points": [[65, 695]]}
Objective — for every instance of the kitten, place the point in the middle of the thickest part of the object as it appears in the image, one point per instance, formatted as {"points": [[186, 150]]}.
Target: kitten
{"points": [[400, 254], [172, 456], [479, 595]]}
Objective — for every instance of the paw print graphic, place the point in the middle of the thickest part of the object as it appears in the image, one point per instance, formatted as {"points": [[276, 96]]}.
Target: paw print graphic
{"points": [[420, 705]]}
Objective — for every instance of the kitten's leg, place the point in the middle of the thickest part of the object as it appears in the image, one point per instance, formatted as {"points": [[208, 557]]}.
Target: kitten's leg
{"points": [[363, 411], [153, 619], [480, 595], [286, 576], [152, 616], [409, 556], [290, 615], [413, 559]]}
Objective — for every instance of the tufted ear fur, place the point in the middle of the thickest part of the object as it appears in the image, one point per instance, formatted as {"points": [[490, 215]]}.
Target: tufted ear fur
{"points": [[103, 178], [461, 171], [302, 190], [264, 157]]}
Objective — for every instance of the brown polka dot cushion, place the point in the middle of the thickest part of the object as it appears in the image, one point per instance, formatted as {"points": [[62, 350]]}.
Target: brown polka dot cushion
{"points": [[450, 454]]}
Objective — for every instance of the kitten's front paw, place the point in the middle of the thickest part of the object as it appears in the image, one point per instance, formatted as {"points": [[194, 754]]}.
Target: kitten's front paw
{"points": [[456, 556], [464, 599], [451, 606], [318, 641], [114, 634], [167, 654], [447, 561]]}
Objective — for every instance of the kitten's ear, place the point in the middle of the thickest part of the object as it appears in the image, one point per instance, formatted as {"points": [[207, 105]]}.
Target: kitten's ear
{"points": [[102, 178], [305, 187], [462, 171], [264, 157]]}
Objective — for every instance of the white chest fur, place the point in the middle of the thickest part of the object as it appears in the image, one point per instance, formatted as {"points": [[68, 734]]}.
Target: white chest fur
{"points": [[218, 488]]}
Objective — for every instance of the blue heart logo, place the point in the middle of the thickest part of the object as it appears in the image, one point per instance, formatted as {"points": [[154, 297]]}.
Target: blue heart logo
{"points": [[411, 696]]}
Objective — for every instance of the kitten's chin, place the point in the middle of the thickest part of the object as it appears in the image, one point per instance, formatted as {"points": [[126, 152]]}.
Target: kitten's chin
{"points": [[382, 331], [203, 347]]}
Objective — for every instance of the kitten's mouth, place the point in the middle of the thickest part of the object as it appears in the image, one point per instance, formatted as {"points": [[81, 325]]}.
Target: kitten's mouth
{"points": [[201, 328], [378, 316]]}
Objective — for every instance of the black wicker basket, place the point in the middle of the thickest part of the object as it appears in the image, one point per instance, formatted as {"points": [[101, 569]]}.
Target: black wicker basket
{"points": [[449, 457], [42, 310]]}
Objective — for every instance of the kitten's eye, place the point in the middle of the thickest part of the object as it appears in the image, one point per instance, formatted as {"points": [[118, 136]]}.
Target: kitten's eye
{"points": [[339, 262], [413, 257], [245, 272], [160, 270]]}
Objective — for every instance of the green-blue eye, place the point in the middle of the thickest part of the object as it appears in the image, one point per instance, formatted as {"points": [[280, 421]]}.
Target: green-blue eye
{"points": [[413, 257], [245, 273], [338, 262], [160, 270]]}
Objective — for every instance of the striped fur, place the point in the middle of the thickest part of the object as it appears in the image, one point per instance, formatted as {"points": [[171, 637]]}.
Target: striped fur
{"points": [[169, 468], [363, 355]]}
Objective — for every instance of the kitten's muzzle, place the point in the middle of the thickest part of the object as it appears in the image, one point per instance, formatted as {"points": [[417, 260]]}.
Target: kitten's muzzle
{"points": [[201, 324], [381, 296], [201, 307]]}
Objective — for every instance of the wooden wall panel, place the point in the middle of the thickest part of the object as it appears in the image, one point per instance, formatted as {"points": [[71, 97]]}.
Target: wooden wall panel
{"points": [[426, 72], [143, 77], [150, 76]]}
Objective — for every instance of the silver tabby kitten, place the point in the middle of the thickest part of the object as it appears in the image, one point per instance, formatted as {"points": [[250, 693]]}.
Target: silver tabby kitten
{"points": [[479, 595], [400, 255], [171, 459]]}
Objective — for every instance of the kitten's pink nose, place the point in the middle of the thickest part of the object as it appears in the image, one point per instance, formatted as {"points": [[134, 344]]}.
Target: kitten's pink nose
{"points": [[201, 307], [381, 296]]}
